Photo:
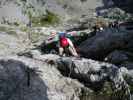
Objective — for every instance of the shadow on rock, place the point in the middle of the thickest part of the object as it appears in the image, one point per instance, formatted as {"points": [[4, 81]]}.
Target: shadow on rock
{"points": [[105, 42], [19, 82], [125, 5]]}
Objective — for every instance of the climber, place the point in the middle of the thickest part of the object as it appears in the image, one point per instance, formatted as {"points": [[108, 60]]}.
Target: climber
{"points": [[53, 37], [66, 43], [62, 42]]}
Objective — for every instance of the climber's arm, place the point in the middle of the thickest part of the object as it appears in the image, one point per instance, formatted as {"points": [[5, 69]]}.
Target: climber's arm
{"points": [[52, 39], [73, 34]]}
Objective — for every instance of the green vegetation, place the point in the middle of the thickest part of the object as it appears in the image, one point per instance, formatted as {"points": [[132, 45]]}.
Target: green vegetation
{"points": [[128, 80], [107, 89], [23, 0], [16, 23], [39, 16], [8, 30], [24, 29], [12, 32], [3, 46], [45, 20], [60, 1], [117, 14], [117, 17], [2, 28], [83, 0], [106, 93]]}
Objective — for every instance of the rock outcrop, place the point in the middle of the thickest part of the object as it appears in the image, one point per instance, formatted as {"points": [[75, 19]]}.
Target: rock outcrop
{"points": [[100, 45], [21, 11], [93, 74], [29, 79], [32, 76], [118, 57]]}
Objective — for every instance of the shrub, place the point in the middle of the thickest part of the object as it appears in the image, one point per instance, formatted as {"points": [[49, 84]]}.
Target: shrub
{"points": [[44, 20]]}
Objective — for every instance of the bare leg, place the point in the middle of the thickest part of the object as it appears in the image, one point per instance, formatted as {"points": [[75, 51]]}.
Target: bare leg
{"points": [[73, 51], [72, 48], [61, 50]]}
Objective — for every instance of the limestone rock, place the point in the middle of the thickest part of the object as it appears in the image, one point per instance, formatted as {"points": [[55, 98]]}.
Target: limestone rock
{"points": [[28, 79], [93, 73]]}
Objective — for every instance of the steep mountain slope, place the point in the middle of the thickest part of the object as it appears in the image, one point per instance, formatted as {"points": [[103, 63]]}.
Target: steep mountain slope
{"points": [[20, 10], [26, 73]]}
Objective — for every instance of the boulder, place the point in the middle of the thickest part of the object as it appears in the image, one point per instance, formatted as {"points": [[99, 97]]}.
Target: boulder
{"points": [[121, 59], [100, 45], [30, 79], [117, 57], [93, 74]]}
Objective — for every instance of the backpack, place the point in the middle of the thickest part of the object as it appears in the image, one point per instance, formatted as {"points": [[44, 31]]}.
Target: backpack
{"points": [[63, 42]]}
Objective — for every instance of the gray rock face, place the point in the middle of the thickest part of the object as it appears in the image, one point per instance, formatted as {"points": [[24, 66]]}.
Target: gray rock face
{"points": [[28, 79], [19, 11], [93, 74], [12, 41], [23, 78], [11, 13]]}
